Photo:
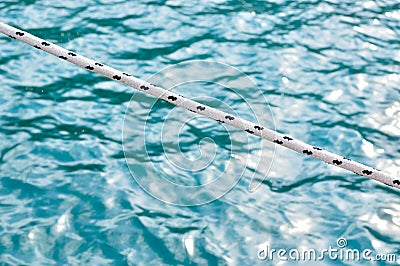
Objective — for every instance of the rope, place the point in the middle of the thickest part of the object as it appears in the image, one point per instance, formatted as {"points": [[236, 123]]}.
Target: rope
{"points": [[201, 109]]}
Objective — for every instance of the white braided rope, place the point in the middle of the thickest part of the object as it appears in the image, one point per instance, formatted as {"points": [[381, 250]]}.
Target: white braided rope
{"points": [[199, 108]]}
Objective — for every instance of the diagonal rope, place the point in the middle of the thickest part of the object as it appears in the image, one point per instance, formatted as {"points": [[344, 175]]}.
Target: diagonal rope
{"points": [[199, 108]]}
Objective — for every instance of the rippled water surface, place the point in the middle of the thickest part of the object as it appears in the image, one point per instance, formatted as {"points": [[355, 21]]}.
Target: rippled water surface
{"points": [[329, 69]]}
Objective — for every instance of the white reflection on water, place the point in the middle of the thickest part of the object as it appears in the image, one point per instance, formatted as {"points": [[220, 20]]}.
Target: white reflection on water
{"points": [[334, 95], [298, 225], [62, 223], [361, 84], [368, 148], [189, 245], [393, 14]]}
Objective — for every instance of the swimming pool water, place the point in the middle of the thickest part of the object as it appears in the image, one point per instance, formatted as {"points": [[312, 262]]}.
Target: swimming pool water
{"points": [[329, 69]]}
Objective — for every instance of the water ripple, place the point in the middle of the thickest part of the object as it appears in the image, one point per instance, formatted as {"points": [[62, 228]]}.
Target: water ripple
{"points": [[330, 70]]}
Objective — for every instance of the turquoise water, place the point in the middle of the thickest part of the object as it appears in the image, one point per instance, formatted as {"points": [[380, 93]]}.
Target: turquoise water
{"points": [[329, 69]]}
